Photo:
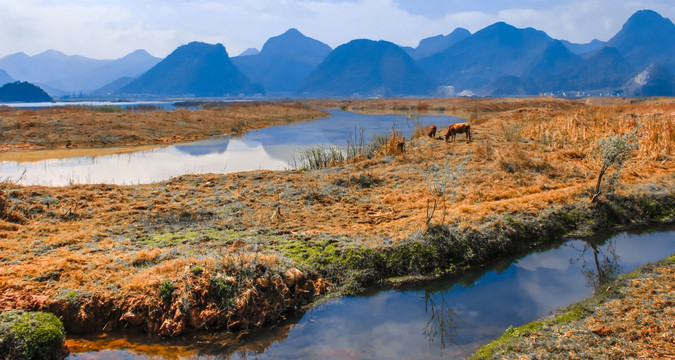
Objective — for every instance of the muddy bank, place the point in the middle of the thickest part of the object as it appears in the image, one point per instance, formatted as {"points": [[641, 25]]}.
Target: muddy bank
{"points": [[632, 317], [258, 293]]}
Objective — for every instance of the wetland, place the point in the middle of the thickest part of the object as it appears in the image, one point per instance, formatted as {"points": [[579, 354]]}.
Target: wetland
{"points": [[239, 252]]}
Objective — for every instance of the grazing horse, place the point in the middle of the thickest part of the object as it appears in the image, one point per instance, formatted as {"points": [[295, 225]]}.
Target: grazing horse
{"points": [[432, 131], [455, 129]]}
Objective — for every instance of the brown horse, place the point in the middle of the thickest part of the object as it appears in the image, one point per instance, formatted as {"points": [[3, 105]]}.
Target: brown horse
{"points": [[432, 131], [455, 129]]}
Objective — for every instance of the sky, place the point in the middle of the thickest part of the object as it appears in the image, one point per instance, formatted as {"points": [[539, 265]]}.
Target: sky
{"points": [[110, 29]]}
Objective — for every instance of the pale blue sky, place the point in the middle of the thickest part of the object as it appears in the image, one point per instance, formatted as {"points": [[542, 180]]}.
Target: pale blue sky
{"points": [[107, 29]]}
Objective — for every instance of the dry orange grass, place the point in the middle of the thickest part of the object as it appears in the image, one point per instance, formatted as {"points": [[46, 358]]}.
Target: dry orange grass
{"points": [[526, 157], [75, 127]]}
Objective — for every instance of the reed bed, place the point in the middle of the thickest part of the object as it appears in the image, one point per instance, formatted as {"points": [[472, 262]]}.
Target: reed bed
{"points": [[585, 126]]}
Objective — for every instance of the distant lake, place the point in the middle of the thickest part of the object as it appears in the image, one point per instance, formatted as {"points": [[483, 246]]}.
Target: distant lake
{"points": [[272, 148]]}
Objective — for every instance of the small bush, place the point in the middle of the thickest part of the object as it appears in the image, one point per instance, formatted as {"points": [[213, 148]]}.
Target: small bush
{"points": [[166, 289], [223, 291], [197, 269], [31, 335]]}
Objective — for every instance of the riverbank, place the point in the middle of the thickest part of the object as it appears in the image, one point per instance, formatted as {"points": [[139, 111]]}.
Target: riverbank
{"points": [[239, 251], [632, 317], [75, 127]]}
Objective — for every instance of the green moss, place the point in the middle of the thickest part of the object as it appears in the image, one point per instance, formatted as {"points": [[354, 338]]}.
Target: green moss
{"points": [[195, 237], [30, 335], [313, 253], [513, 335]]}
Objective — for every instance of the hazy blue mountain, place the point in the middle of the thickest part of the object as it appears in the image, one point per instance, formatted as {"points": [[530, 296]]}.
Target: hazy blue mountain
{"points": [[23, 92], [555, 63], [581, 49], [131, 65], [196, 69], [368, 68], [654, 80], [113, 87], [495, 51], [74, 73], [606, 69], [510, 86], [5, 78], [284, 61], [436, 44], [250, 51], [644, 39], [47, 67]]}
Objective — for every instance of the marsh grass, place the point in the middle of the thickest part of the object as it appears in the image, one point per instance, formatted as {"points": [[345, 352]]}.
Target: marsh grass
{"points": [[322, 156]]}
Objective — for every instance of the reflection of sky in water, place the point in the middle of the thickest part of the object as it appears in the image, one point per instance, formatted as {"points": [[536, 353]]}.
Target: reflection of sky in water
{"points": [[271, 148], [390, 324]]}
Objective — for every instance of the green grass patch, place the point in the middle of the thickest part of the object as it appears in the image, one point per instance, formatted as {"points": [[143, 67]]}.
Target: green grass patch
{"points": [[513, 335], [30, 335]]}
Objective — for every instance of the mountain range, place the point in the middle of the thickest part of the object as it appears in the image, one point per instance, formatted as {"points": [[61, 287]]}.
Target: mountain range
{"points": [[498, 60], [73, 73]]}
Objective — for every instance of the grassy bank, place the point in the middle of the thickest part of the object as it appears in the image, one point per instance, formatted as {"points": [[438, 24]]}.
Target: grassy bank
{"points": [[239, 251], [631, 317], [77, 127]]}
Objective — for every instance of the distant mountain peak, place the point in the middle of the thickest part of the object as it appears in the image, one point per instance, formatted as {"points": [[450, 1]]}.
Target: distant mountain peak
{"points": [[368, 68], [23, 92], [249, 52], [193, 69], [294, 44], [284, 61], [438, 43], [646, 37]]}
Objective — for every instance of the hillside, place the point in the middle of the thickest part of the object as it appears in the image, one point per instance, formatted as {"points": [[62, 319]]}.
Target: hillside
{"points": [[4, 77], [498, 50], [368, 68], [646, 38], [196, 69], [436, 44], [655, 80], [23, 92], [284, 61]]}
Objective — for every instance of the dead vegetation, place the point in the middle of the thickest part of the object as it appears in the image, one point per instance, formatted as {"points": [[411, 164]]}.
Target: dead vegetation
{"points": [[240, 250], [82, 127]]}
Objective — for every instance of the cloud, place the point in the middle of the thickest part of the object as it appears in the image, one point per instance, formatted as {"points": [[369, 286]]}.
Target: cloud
{"points": [[110, 29]]}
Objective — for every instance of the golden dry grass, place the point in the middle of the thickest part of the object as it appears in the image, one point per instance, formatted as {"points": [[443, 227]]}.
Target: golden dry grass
{"points": [[74, 127], [527, 156]]}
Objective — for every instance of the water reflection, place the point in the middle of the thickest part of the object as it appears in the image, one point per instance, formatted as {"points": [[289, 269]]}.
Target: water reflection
{"points": [[271, 148], [607, 266], [443, 319]]}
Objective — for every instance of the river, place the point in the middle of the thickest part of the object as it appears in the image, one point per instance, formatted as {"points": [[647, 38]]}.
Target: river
{"points": [[444, 319], [272, 148]]}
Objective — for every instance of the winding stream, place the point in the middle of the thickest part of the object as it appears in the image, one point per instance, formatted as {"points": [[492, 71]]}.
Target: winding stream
{"points": [[444, 319], [272, 148]]}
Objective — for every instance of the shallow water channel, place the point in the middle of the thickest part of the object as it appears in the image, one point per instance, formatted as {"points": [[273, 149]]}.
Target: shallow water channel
{"points": [[443, 319], [272, 148]]}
